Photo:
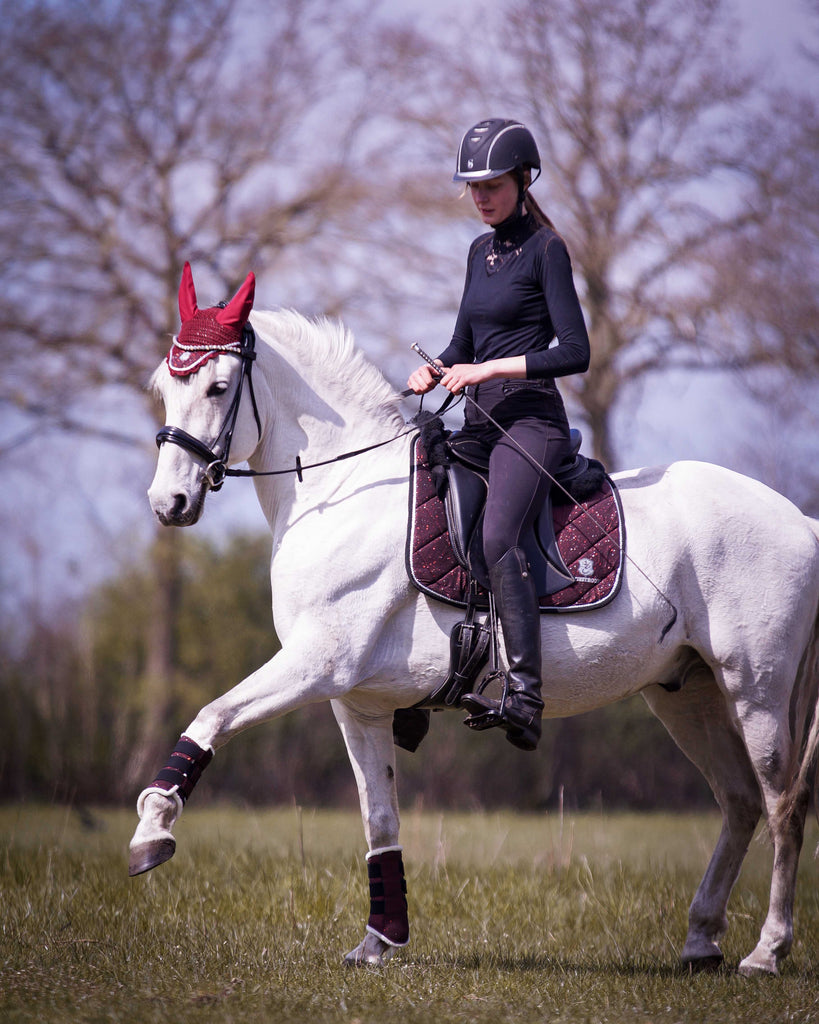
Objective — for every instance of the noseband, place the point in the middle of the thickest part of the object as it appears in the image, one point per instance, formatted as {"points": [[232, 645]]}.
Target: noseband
{"points": [[216, 464]]}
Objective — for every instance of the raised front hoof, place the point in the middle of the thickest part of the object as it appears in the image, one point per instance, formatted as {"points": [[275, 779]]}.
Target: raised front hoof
{"points": [[370, 952], [759, 963], [150, 855]]}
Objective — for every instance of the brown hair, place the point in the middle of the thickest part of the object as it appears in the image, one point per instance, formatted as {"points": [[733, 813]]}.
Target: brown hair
{"points": [[524, 179]]}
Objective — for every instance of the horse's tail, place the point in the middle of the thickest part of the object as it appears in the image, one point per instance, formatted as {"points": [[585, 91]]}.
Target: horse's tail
{"points": [[805, 776]]}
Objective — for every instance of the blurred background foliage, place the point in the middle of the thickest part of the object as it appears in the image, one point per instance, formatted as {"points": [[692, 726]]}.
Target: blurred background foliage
{"points": [[313, 141]]}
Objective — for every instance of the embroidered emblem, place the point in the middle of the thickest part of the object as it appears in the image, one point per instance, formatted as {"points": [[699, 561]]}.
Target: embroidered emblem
{"points": [[585, 568]]}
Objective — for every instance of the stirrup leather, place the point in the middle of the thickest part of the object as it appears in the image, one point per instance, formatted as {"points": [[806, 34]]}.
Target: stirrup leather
{"points": [[469, 646], [486, 712]]}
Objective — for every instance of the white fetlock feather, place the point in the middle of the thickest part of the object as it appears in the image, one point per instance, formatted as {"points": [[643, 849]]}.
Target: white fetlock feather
{"points": [[384, 849], [170, 794], [372, 951]]}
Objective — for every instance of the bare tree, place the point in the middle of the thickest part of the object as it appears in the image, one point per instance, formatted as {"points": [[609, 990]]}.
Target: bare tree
{"points": [[236, 134], [685, 187], [136, 136], [658, 155], [313, 143]]}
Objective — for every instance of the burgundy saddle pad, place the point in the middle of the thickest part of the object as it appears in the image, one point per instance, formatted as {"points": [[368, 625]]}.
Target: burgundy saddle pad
{"points": [[590, 537]]}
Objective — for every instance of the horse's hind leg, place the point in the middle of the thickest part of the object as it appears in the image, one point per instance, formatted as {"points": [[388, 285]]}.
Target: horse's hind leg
{"points": [[697, 719], [769, 744]]}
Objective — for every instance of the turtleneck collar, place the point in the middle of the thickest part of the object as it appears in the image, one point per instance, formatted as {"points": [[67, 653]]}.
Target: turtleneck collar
{"points": [[515, 229]]}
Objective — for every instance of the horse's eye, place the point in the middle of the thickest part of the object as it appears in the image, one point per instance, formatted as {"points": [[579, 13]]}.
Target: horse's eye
{"points": [[217, 388]]}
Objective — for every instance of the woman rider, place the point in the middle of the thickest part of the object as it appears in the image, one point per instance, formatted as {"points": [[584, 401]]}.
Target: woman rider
{"points": [[518, 298]]}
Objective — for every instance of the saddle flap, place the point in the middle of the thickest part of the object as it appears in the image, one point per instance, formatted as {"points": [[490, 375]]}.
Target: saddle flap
{"points": [[558, 574], [464, 502]]}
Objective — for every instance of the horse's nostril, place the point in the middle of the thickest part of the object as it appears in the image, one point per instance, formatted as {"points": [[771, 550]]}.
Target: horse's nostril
{"points": [[179, 504]]}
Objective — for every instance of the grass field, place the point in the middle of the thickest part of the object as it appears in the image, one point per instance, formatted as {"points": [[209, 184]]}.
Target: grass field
{"points": [[514, 919]]}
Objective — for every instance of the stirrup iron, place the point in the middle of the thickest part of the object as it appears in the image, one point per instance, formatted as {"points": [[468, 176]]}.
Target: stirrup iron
{"points": [[488, 713]]}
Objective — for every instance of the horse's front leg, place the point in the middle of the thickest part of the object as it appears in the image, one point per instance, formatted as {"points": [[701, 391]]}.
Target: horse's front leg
{"points": [[369, 741], [292, 678], [160, 805]]}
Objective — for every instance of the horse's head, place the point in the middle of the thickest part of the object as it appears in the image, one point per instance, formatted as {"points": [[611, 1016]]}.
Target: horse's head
{"points": [[201, 383]]}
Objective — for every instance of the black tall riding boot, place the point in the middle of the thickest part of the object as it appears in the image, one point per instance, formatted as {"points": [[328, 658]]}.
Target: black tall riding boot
{"points": [[518, 609]]}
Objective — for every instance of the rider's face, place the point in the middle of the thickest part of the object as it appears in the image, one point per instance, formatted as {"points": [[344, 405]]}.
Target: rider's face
{"points": [[495, 199]]}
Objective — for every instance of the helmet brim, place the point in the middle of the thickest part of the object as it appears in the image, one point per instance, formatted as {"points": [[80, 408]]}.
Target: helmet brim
{"points": [[485, 175]]}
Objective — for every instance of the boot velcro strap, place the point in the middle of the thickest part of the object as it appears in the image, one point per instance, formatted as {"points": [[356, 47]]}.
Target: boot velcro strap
{"points": [[388, 897], [185, 765]]}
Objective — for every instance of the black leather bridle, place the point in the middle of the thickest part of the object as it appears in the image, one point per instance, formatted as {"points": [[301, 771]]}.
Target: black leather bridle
{"points": [[215, 460], [216, 467]]}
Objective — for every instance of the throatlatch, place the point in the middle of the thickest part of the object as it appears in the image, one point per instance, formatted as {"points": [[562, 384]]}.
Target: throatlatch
{"points": [[388, 919]]}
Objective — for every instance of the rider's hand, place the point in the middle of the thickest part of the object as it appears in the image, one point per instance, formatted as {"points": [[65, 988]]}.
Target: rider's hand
{"points": [[461, 375], [423, 379]]}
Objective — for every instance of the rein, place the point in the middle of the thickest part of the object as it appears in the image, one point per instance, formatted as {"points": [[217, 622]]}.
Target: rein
{"points": [[299, 467]]}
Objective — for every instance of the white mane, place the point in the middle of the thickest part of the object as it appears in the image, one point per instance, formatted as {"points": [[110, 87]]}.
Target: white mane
{"points": [[326, 351]]}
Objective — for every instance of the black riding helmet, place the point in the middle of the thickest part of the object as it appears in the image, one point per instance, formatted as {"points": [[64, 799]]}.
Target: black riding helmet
{"points": [[494, 147]]}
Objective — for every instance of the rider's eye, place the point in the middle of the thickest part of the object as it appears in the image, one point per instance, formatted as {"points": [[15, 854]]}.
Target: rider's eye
{"points": [[217, 388]]}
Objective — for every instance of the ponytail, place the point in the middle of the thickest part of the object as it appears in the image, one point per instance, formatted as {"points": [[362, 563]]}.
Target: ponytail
{"points": [[530, 204]]}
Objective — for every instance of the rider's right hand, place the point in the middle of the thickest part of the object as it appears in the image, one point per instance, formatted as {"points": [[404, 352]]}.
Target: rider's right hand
{"points": [[423, 379]]}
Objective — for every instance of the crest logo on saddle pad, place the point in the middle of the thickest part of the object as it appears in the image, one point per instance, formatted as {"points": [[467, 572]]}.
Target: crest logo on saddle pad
{"points": [[585, 568]]}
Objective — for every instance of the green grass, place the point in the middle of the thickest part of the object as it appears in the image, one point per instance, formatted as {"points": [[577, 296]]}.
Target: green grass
{"points": [[514, 919]]}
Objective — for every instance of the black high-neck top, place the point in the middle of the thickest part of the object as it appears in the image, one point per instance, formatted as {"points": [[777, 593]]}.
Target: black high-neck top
{"points": [[518, 296]]}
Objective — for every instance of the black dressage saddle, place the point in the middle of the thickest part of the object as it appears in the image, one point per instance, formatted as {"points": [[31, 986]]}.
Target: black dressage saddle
{"points": [[464, 498]]}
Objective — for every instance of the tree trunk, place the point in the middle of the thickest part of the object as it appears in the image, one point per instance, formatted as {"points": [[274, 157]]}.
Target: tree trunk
{"points": [[155, 731]]}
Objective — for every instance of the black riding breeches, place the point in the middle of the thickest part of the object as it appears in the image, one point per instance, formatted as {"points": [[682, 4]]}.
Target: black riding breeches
{"points": [[532, 415]]}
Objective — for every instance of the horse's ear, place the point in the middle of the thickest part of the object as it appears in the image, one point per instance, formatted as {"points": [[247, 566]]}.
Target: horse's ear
{"points": [[187, 294], [237, 311]]}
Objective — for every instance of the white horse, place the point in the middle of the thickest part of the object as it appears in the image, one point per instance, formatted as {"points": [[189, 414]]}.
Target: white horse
{"points": [[738, 561]]}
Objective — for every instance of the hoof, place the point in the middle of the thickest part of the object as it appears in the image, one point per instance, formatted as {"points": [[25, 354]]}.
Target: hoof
{"points": [[701, 955], [754, 967], [704, 964], [150, 855], [370, 952]]}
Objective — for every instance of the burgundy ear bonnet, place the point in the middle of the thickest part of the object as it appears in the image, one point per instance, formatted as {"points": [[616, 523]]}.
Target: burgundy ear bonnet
{"points": [[207, 332]]}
